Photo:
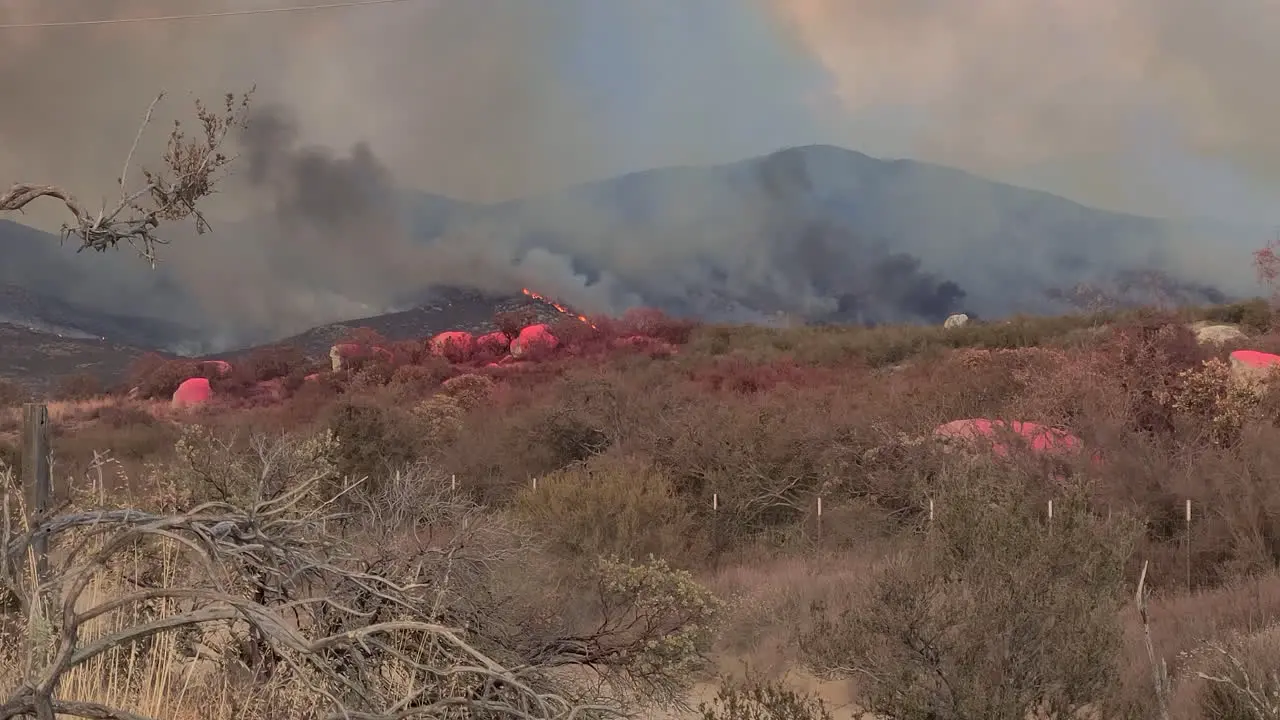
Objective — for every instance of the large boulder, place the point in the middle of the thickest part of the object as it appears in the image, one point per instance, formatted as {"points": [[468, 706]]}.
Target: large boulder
{"points": [[1217, 334], [534, 342], [455, 346], [343, 355], [1252, 367], [192, 392], [957, 320], [1040, 439], [221, 368], [494, 343]]}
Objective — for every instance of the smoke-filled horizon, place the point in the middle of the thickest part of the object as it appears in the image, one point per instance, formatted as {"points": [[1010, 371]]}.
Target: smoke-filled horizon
{"points": [[1140, 105]]}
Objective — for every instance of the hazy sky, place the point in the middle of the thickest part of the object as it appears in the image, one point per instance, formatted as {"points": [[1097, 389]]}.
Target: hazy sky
{"points": [[1150, 104], [1154, 106]]}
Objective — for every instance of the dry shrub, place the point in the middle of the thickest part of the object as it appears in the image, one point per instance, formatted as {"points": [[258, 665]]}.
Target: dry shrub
{"points": [[1147, 357], [270, 363], [766, 466], [439, 420], [613, 505], [1254, 316], [577, 337], [992, 614], [408, 352], [470, 390], [207, 466], [11, 393], [512, 322], [1241, 681], [133, 441], [738, 373], [81, 386], [757, 699], [373, 439], [1211, 399], [415, 381], [371, 375], [162, 381], [11, 458], [1183, 627], [422, 616], [654, 323], [123, 416], [361, 336], [769, 597]]}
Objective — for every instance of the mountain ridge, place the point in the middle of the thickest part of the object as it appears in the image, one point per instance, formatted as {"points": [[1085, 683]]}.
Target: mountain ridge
{"points": [[816, 231]]}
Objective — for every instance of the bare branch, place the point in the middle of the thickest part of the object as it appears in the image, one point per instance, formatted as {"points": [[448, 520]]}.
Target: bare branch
{"points": [[192, 169], [1159, 671], [277, 580]]}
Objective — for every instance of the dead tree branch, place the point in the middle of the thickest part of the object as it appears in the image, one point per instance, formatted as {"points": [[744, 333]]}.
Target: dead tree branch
{"points": [[193, 167], [359, 644], [1159, 671], [1260, 695]]}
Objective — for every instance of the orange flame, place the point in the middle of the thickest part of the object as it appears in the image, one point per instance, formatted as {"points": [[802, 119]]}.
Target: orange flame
{"points": [[557, 306]]}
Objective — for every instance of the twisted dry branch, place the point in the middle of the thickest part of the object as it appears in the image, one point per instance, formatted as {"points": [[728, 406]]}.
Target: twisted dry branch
{"points": [[192, 169], [274, 568]]}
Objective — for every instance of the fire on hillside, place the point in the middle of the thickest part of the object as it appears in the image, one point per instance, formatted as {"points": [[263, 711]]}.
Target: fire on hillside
{"points": [[556, 305]]}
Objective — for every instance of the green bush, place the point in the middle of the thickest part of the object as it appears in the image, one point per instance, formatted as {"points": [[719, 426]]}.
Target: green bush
{"points": [[761, 700], [993, 614], [612, 505]]}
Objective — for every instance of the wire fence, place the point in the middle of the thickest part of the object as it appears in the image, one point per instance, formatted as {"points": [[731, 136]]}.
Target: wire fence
{"points": [[816, 506]]}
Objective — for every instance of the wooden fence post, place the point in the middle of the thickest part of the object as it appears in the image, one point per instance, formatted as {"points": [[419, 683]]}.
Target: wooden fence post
{"points": [[37, 476]]}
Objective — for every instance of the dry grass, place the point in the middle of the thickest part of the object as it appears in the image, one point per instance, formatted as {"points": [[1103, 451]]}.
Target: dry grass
{"points": [[630, 450]]}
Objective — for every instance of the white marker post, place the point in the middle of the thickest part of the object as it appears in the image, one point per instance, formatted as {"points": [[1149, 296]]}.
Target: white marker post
{"points": [[819, 521], [1188, 544]]}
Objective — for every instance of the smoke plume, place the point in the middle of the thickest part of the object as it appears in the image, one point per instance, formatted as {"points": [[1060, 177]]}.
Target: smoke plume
{"points": [[367, 115]]}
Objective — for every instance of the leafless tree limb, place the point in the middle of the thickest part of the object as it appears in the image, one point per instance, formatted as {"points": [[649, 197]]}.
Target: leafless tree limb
{"points": [[367, 600], [1159, 671], [192, 169], [271, 567], [1262, 698]]}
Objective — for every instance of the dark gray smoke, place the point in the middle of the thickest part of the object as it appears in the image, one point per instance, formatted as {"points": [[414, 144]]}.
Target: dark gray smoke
{"points": [[489, 100]]}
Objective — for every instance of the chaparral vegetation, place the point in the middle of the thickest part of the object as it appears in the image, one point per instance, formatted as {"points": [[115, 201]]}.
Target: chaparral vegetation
{"points": [[646, 517], [1055, 517]]}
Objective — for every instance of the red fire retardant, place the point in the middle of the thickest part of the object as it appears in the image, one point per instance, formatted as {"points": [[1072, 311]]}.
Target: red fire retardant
{"points": [[456, 346], [195, 391], [221, 367], [494, 343], [1255, 359], [356, 351], [535, 341], [1040, 438]]}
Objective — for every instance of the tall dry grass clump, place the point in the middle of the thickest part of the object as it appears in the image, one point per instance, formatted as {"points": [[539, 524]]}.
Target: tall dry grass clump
{"points": [[265, 585]]}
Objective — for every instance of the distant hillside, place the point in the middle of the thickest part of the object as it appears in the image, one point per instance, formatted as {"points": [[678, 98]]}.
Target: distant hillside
{"points": [[820, 233], [447, 309], [48, 286], [836, 235], [38, 361]]}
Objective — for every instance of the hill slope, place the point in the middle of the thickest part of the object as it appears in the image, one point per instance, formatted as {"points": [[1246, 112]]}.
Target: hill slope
{"points": [[836, 235], [817, 232]]}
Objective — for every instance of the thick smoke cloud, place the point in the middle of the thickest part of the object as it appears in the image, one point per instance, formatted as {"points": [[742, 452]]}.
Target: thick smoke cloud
{"points": [[490, 100], [1141, 103]]}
